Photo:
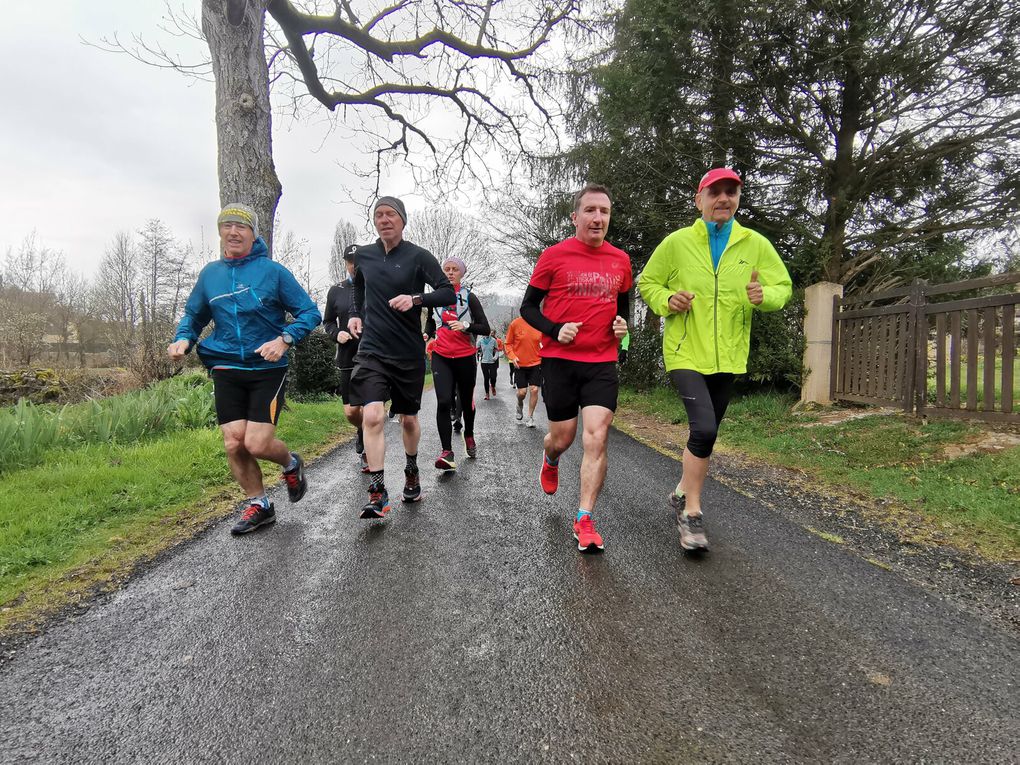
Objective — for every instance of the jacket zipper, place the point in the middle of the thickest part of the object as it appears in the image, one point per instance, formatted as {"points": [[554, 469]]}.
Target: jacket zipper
{"points": [[715, 317], [237, 322]]}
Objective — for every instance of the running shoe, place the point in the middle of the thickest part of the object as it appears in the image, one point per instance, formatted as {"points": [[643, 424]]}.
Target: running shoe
{"points": [[678, 502], [254, 515], [297, 484], [486, 396], [445, 461], [363, 463], [470, 447], [549, 476], [494, 391], [378, 505], [412, 486], [520, 410], [531, 422], [588, 540], [692, 532]]}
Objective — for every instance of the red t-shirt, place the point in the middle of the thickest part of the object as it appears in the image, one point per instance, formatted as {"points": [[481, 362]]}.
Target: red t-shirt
{"points": [[582, 283]]}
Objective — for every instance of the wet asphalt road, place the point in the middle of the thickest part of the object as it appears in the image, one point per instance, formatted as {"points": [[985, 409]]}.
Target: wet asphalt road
{"points": [[468, 628]]}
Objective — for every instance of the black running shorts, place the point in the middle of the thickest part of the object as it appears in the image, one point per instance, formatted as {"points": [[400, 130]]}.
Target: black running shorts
{"points": [[525, 376], [397, 380], [573, 385], [255, 395]]}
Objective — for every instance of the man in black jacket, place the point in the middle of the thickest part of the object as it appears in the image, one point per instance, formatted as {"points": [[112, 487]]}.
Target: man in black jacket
{"points": [[386, 316], [335, 318]]}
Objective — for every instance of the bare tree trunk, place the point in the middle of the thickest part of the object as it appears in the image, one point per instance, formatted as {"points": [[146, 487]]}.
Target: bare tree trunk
{"points": [[244, 135]]}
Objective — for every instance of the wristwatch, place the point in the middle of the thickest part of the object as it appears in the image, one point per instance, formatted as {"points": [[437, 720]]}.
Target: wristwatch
{"points": [[287, 338], [417, 299]]}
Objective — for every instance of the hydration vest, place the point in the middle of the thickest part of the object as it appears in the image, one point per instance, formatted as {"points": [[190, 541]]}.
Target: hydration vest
{"points": [[459, 310]]}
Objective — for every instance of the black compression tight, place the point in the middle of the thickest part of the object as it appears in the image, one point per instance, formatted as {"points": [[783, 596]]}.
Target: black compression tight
{"points": [[448, 374], [489, 372], [705, 398]]}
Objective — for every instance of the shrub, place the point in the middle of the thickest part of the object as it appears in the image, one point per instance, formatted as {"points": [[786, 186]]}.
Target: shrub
{"points": [[313, 369], [28, 430], [777, 345], [644, 368]]}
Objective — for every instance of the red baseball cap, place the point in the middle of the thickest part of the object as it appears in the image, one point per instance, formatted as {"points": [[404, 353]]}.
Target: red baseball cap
{"points": [[716, 175]]}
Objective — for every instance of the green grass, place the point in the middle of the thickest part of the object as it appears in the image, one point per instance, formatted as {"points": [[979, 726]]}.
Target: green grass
{"points": [[980, 392], [74, 522], [975, 498]]}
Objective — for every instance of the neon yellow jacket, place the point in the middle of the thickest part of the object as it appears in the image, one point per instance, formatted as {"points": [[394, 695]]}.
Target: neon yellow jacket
{"points": [[714, 335]]}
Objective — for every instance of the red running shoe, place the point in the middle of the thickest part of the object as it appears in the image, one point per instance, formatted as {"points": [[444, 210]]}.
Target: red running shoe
{"points": [[378, 505], [445, 461], [549, 476], [470, 446], [588, 540]]}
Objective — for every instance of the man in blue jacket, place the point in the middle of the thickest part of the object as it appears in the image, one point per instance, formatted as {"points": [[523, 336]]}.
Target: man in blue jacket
{"points": [[247, 297]]}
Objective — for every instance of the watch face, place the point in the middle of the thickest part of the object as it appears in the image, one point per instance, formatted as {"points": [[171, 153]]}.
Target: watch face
{"points": [[288, 339]]}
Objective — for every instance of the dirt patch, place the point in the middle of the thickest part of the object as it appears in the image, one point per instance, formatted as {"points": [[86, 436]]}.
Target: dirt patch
{"points": [[986, 443], [888, 535], [839, 416]]}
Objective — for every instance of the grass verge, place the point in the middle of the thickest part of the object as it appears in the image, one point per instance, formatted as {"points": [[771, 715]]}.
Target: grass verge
{"points": [[972, 501], [79, 523]]}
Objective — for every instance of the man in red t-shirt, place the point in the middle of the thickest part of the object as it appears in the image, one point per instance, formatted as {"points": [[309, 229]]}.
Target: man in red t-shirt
{"points": [[584, 282]]}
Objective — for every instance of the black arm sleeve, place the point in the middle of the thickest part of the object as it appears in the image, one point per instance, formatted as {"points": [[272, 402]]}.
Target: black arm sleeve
{"points": [[531, 312], [430, 323], [330, 320], [442, 291], [479, 324], [623, 305], [358, 294]]}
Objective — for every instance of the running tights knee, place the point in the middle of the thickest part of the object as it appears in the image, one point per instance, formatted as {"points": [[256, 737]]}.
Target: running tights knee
{"points": [[705, 398]]}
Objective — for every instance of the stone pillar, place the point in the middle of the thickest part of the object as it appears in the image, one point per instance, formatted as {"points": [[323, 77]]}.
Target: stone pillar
{"points": [[818, 334]]}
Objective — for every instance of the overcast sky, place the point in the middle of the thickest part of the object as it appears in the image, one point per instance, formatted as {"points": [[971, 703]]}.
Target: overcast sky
{"points": [[92, 143]]}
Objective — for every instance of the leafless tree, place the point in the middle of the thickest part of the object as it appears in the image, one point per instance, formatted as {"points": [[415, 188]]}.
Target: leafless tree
{"points": [[449, 233], [296, 256], [33, 267], [344, 235], [115, 291], [454, 79]]}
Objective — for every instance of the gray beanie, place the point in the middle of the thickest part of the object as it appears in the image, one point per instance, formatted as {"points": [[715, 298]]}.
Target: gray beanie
{"points": [[235, 212], [393, 202]]}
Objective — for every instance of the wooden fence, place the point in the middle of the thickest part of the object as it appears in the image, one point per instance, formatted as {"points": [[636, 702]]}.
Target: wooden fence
{"points": [[931, 348]]}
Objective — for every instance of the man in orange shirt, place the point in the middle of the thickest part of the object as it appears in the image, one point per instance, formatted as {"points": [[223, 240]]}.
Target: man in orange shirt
{"points": [[521, 347]]}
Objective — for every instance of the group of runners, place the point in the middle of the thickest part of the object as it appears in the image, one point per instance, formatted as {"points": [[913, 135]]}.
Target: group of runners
{"points": [[704, 280]]}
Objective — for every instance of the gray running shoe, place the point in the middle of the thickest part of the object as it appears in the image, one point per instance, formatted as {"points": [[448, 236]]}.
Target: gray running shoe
{"points": [[520, 410], [692, 532], [530, 422]]}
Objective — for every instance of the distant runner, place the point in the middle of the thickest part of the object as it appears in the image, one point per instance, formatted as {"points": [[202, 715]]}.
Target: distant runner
{"points": [[338, 313], [522, 346], [489, 353]]}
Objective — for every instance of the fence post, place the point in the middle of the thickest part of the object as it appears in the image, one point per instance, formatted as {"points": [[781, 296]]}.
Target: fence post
{"points": [[818, 324], [917, 380]]}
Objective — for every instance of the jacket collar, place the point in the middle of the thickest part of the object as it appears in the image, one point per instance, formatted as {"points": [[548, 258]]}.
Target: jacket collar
{"points": [[258, 250]]}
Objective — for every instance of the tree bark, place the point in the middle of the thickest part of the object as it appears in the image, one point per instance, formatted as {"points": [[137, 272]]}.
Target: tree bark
{"points": [[244, 135]]}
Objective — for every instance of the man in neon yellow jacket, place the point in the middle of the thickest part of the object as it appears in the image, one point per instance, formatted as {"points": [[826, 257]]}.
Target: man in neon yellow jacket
{"points": [[707, 279]]}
